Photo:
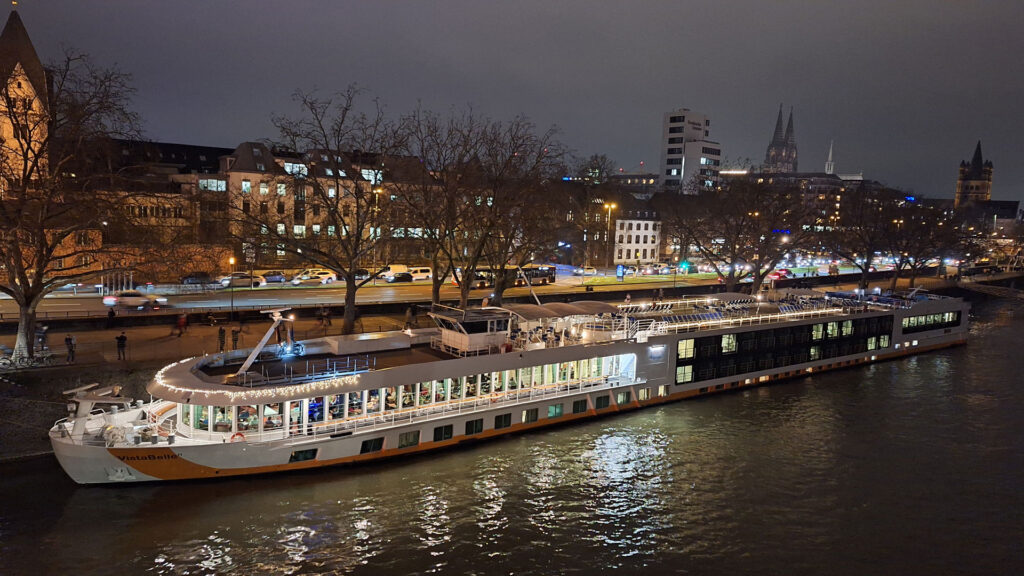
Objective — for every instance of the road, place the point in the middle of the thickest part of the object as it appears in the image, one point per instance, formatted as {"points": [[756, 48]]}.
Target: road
{"points": [[63, 305]]}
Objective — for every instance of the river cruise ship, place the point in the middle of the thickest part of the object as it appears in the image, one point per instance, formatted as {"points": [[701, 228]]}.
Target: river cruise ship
{"points": [[481, 373]]}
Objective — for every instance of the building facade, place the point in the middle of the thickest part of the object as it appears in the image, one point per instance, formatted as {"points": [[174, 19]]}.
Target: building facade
{"points": [[637, 240], [688, 157]]}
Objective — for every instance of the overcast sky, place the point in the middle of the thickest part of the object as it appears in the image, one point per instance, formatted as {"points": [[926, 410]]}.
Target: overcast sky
{"points": [[904, 88]]}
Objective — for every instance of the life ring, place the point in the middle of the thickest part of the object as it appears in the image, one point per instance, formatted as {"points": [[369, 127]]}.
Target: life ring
{"points": [[238, 436]]}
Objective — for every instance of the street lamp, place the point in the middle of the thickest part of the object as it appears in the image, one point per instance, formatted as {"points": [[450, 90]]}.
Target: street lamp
{"points": [[231, 282], [608, 234]]}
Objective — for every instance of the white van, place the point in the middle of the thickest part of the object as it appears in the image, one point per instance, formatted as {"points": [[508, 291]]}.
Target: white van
{"points": [[421, 273], [389, 271]]}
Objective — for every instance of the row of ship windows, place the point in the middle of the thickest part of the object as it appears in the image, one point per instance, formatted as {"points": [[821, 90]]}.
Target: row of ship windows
{"points": [[930, 322], [501, 421], [728, 343], [686, 373], [277, 415]]}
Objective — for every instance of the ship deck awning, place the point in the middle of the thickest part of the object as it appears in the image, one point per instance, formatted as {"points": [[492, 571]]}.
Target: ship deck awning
{"points": [[530, 312], [733, 297]]}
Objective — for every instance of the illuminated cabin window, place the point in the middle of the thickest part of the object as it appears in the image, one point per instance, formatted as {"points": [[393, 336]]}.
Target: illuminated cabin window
{"points": [[684, 349], [407, 439], [728, 343], [684, 374]]}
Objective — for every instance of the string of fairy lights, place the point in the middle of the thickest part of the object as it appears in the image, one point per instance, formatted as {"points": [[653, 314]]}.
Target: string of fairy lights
{"points": [[290, 391]]}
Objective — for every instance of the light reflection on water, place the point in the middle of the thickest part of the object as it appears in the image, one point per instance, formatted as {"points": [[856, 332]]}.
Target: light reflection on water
{"points": [[911, 466]]}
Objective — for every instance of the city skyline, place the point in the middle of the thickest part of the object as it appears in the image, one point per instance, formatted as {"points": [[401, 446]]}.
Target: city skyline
{"points": [[904, 98]]}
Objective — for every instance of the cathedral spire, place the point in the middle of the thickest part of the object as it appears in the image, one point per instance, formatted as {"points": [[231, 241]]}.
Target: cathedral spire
{"points": [[790, 136], [777, 137], [830, 167]]}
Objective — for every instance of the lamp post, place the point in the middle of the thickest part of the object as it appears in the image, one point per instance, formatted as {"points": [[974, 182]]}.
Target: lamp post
{"points": [[608, 234], [231, 286]]}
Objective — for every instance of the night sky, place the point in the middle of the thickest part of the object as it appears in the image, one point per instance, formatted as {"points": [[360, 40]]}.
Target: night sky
{"points": [[904, 88]]}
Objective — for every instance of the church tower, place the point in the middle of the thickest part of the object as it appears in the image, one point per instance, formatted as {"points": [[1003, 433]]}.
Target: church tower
{"points": [[24, 123], [975, 181], [782, 155]]}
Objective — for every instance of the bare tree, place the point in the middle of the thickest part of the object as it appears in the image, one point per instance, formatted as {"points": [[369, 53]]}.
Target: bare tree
{"points": [[862, 231], [436, 196], [57, 195], [338, 219]]}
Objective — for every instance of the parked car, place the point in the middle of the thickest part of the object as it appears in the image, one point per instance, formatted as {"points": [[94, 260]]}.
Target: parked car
{"points": [[400, 277], [242, 280], [629, 271], [421, 273], [134, 299], [275, 276], [197, 278], [585, 271], [392, 269], [313, 276], [362, 274]]}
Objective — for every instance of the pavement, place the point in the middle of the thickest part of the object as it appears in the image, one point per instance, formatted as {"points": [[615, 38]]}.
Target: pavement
{"points": [[151, 344]]}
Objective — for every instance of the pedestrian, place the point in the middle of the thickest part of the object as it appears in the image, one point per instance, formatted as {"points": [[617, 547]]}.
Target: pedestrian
{"points": [[234, 337], [220, 338], [41, 336], [278, 331], [110, 318], [327, 315], [210, 319], [122, 345], [69, 342], [179, 325], [628, 299], [408, 315]]}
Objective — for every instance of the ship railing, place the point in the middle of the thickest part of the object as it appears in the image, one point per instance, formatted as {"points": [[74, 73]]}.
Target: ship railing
{"points": [[465, 406], [754, 320], [315, 370]]}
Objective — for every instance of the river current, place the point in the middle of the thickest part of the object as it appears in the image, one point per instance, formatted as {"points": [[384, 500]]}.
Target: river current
{"points": [[914, 466]]}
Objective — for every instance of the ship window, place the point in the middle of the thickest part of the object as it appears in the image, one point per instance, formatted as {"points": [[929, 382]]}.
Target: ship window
{"points": [[529, 415], [372, 445], [815, 352], [316, 409], [833, 329], [186, 414], [201, 417], [872, 343], [684, 374], [883, 341], [337, 405], [272, 416], [817, 331], [502, 421], [643, 394], [248, 418], [685, 349], [728, 343], [474, 426], [622, 398], [662, 390], [406, 439], [602, 402], [222, 422], [443, 433], [579, 406], [555, 411], [847, 327], [303, 455]]}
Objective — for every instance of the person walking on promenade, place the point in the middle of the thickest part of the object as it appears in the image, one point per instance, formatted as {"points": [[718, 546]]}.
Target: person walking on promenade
{"points": [[179, 325], [41, 336], [122, 345], [234, 337], [221, 333], [69, 341], [110, 318], [628, 299]]}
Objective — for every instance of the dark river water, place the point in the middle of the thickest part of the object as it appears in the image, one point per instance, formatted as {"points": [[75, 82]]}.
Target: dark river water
{"points": [[913, 466]]}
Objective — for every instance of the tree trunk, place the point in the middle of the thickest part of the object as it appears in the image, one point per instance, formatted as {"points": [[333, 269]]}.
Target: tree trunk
{"points": [[863, 283], [895, 278], [348, 323], [24, 345], [436, 279], [500, 281]]}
